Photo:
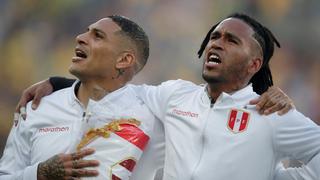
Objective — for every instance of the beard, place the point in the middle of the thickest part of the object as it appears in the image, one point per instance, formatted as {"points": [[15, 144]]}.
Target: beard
{"points": [[234, 75], [210, 79]]}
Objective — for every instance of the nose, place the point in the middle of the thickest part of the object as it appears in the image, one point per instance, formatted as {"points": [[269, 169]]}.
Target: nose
{"points": [[217, 44], [81, 39]]}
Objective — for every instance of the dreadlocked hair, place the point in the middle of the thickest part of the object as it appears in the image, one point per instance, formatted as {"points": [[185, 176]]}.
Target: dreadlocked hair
{"points": [[262, 80]]}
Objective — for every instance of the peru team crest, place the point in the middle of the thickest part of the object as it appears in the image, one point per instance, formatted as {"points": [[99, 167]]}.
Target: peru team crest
{"points": [[238, 120]]}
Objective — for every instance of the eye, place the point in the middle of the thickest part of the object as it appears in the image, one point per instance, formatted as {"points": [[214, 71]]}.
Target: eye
{"points": [[98, 35], [213, 36], [233, 41]]}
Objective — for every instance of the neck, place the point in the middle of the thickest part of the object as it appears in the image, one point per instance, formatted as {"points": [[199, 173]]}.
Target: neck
{"points": [[215, 89], [96, 90]]}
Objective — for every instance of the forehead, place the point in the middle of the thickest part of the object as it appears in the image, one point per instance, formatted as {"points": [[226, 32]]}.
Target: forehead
{"points": [[106, 25], [236, 27]]}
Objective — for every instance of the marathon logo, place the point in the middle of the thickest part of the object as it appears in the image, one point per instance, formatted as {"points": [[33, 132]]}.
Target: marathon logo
{"points": [[53, 129], [184, 113]]}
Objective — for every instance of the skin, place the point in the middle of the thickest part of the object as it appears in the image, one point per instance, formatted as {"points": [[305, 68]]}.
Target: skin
{"points": [[218, 78], [110, 60], [108, 65], [239, 53], [67, 166]]}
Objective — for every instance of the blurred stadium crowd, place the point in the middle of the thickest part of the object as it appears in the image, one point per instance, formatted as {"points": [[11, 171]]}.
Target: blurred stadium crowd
{"points": [[37, 41]]}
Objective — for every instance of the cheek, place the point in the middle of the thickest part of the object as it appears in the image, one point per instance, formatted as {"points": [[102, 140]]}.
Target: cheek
{"points": [[102, 56]]}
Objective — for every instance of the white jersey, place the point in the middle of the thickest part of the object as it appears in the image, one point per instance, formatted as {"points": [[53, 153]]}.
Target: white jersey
{"points": [[229, 139], [57, 126]]}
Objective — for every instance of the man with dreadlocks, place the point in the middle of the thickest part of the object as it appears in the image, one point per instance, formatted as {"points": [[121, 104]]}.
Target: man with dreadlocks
{"points": [[230, 139], [211, 130]]}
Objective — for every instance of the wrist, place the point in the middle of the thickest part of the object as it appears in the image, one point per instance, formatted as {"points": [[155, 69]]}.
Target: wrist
{"points": [[40, 174]]}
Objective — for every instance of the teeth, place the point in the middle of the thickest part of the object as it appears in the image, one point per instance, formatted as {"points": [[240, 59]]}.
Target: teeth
{"points": [[212, 62], [213, 56], [80, 53], [214, 59]]}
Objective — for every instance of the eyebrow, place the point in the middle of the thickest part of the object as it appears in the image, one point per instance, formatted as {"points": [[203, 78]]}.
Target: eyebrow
{"points": [[98, 31], [232, 36], [228, 35]]}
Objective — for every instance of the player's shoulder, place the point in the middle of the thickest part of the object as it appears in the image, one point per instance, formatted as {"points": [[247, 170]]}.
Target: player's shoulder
{"points": [[60, 95], [180, 83], [293, 118], [57, 98]]}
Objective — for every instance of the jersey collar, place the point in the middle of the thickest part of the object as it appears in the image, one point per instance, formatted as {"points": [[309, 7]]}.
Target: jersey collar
{"points": [[237, 98]]}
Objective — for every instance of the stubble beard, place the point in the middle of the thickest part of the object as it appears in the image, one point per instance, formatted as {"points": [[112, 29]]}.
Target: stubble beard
{"points": [[235, 78], [211, 80]]}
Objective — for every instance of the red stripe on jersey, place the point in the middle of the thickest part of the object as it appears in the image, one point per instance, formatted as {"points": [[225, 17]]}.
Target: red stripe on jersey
{"points": [[244, 121], [232, 119], [134, 135], [114, 177], [128, 164]]}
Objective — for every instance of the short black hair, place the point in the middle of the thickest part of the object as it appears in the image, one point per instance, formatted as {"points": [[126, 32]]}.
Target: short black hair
{"points": [[262, 80], [137, 35]]}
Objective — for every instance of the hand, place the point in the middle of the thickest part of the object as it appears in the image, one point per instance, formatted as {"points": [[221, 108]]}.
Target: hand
{"points": [[273, 100], [34, 93], [67, 166]]}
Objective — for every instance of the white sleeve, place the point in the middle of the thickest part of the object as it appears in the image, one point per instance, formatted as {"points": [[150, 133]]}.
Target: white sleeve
{"points": [[15, 162], [297, 137], [305, 172], [157, 97]]}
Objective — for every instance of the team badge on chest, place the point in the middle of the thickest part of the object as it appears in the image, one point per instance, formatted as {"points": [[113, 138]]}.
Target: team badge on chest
{"points": [[238, 120]]}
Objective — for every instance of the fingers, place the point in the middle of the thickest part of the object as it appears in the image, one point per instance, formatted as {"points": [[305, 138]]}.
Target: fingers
{"points": [[23, 113], [44, 88], [71, 178], [261, 104], [285, 109], [16, 119], [267, 100], [81, 173], [26, 96], [36, 101], [78, 164], [274, 100], [79, 155], [276, 107], [35, 93], [21, 107], [254, 101]]}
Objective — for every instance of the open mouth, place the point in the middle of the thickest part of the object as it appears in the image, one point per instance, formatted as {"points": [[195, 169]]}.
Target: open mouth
{"points": [[80, 53], [214, 59]]}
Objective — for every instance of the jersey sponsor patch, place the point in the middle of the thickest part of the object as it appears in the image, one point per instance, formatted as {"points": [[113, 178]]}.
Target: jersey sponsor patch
{"points": [[238, 120]]}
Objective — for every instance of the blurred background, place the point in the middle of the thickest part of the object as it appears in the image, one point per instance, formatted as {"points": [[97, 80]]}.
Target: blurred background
{"points": [[37, 41]]}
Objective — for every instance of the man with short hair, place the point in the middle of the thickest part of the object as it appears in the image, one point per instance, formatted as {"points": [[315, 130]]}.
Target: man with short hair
{"points": [[107, 56]]}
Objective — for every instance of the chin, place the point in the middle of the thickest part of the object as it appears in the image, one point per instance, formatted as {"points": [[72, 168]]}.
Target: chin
{"points": [[75, 72], [210, 79]]}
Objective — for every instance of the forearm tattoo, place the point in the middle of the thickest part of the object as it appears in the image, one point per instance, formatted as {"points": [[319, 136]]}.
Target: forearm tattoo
{"points": [[52, 168]]}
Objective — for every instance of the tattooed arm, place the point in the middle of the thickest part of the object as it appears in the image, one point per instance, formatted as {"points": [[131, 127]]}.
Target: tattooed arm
{"points": [[67, 166], [16, 162]]}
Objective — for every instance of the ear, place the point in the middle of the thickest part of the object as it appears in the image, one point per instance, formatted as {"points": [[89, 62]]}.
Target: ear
{"points": [[255, 65], [126, 60]]}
